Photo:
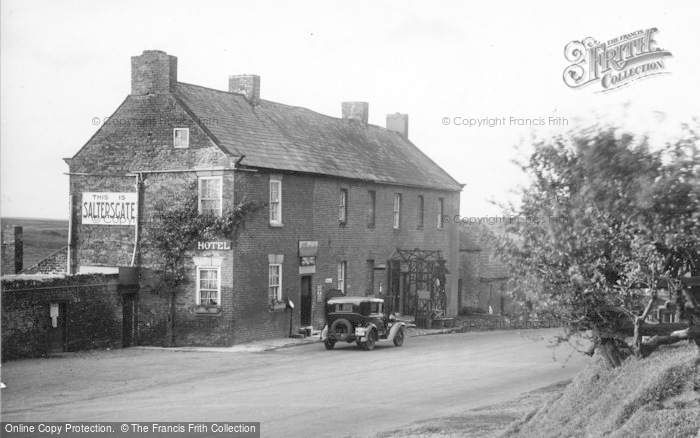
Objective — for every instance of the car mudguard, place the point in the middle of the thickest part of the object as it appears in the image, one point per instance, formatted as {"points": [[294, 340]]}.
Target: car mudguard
{"points": [[394, 329], [324, 332], [369, 327]]}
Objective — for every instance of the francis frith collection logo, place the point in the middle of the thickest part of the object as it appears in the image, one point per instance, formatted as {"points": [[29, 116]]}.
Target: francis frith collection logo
{"points": [[615, 63]]}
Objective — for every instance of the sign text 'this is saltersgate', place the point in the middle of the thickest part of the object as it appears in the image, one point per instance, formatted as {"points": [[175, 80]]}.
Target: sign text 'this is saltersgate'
{"points": [[109, 208]]}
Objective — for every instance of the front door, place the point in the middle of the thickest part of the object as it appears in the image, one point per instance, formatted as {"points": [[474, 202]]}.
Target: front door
{"points": [[57, 328], [306, 300]]}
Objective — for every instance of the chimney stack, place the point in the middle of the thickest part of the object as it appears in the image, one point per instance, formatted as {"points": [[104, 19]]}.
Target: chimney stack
{"points": [[12, 251], [356, 111], [247, 85], [397, 123], [153, 72]]}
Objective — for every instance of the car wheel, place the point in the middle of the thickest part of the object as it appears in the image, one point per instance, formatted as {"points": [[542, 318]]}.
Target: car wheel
{"points": [[371, 340], [341, 329], [398, 339], [360, 344], [329, 344]]}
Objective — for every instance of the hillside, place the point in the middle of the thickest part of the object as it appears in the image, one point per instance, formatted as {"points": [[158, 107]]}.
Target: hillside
{"points": [[42, 237], [655, 397]]}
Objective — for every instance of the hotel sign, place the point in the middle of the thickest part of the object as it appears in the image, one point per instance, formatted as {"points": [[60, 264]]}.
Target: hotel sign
{"points": [[213, 245], [106, 208]]}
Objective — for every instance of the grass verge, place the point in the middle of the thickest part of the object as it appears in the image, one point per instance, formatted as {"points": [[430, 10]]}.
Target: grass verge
{"points": [[655, 397]]}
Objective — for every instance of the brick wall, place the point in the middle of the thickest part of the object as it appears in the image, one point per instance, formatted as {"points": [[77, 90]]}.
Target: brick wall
{"points": [[252, 317], [54, 264], [12, 251], [310, 212], [93, 313]]}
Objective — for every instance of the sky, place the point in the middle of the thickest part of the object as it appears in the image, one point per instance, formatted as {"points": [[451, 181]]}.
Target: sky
{"points": [[63, 63]]}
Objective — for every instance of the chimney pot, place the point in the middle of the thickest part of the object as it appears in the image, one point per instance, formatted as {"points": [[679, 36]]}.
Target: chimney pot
{"points": [[397, 123], [247, 85], [154, 71], [356, 111]]}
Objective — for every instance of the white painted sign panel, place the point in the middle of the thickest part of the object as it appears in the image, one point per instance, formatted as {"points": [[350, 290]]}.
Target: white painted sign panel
{"points": [[101, 208]]}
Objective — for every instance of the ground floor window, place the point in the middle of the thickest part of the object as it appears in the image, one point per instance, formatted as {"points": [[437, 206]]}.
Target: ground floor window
{"points": [[341, 276], [208, 286], [275, 283]]}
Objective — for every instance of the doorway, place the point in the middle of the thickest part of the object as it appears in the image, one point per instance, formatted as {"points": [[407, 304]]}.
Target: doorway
{"points": [[306, 301], [129, 320]]}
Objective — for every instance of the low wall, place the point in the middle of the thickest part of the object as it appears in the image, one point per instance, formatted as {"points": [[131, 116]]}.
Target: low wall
{"points": [[93, 313]]}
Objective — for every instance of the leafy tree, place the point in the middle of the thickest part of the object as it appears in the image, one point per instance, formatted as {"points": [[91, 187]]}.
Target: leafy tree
{"points": [[606, 221], [177, 228]]}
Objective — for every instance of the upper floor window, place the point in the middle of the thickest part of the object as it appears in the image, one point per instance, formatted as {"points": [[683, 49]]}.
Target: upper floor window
{"points": [[397, 211], [371, 212], [343, 207], [441, 212], [420, 212], [181, 137], [210, 200], [275, 202], [208, 286]]}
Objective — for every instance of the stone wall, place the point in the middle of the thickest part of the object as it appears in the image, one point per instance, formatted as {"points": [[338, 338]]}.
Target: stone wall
{"points": [[93, 309]]}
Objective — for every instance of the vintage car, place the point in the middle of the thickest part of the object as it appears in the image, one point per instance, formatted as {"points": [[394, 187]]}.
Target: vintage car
{"points": [[361, 320]]}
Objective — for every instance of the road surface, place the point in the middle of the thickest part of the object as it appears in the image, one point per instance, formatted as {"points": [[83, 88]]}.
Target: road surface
{"points": [[302, 391]]}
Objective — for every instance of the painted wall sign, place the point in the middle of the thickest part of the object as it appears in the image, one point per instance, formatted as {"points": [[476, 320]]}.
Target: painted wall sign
{"points": [[100, 208], [213, 245], [308, 248], [307, 261]]}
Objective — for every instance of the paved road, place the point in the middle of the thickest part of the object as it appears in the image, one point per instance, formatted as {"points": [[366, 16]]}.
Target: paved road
{"points": [[303, 391]]}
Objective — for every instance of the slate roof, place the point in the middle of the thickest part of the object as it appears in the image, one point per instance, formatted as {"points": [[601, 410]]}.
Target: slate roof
{"points": [[281, 137]]}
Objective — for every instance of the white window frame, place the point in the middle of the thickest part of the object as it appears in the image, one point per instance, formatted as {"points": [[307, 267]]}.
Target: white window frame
{"points": [[276, 204], [218, 283], [199, 193], [397, 211], [184, 142], [278, 293], [441, 212], [343, 207], [342, 271]]}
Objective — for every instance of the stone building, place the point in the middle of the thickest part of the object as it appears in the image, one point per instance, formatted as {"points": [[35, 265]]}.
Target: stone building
{"points": [[342, 196], [483, 278]]}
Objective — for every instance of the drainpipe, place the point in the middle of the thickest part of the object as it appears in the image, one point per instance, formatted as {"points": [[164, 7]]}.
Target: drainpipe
{"points": [[70, 232], [138, 216]]}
